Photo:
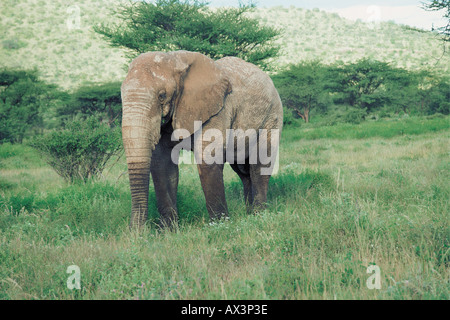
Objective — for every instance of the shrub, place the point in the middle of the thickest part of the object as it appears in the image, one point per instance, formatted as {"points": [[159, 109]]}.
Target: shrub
{"points": [[13, 44], [81, 150], [354, 116], [290, 119]]}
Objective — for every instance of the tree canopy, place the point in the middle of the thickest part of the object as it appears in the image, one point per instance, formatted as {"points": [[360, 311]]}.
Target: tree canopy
{"points": [[23, 101], [301, 88], [360, 84], [103, 100], [168, 25], [360, 88]]}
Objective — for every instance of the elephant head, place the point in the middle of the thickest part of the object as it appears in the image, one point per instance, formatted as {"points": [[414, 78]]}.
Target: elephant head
{"points": [[163, 92]]}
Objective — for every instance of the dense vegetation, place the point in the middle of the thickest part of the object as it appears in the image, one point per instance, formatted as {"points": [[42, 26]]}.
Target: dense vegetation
{"points": [[85, 127], [364, 89], [24, 100], [363, 176], [102, 100]]}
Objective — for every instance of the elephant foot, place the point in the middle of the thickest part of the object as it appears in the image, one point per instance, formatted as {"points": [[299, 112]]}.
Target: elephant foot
{"points": [[257, 207], [216, 217], [138, 220], [169, 219]]}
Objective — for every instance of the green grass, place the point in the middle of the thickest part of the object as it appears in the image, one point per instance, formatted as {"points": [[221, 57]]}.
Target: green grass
{"points": [[339, 204], [383, 129]]}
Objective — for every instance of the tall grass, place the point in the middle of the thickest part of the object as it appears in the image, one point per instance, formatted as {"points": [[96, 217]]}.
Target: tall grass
{"points": [[336, 207]]}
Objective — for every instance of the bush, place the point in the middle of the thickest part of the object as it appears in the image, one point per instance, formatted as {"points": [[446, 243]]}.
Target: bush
{"points": [[384, 113], [354, 116], [81, 150], [13, 44], [289, 118]]}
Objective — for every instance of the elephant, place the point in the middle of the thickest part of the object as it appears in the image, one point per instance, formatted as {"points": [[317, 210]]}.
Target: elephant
{"points": [[165, 92]]}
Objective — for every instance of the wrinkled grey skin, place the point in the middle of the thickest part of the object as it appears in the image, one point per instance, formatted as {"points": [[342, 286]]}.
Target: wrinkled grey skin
{"points": [[167, 91]]}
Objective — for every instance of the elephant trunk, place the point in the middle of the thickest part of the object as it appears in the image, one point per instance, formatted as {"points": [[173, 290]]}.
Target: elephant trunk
{"points": [[141, 122]]}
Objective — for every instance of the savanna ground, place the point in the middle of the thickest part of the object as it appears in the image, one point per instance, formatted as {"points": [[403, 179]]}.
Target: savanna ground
{"points": [[346, 197]]}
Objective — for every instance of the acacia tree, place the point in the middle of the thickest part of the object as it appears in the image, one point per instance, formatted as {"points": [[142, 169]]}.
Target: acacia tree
{"points": [[402, 89], [103, 101], [361, 84], [301, 88], [435, 96], [23, 100], [168, 25]]}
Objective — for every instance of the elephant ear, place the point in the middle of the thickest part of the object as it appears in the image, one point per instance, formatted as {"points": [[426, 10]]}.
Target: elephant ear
{"points": [[204, 89]]}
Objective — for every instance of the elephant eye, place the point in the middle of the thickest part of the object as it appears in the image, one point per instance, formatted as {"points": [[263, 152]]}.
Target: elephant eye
{"points": [[162, 96]]}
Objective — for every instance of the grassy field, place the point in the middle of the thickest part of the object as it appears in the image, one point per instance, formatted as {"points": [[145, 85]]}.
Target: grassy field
{"points": [[346, 197]]}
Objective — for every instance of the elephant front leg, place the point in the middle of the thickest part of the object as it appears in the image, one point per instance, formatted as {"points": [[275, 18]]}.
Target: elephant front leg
{"points": [[247, 184], [211, 177], [165, 180]]}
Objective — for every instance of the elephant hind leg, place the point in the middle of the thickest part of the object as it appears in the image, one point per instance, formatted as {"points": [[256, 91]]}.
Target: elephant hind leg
{"points": [[260, 186], [244, 174]]}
